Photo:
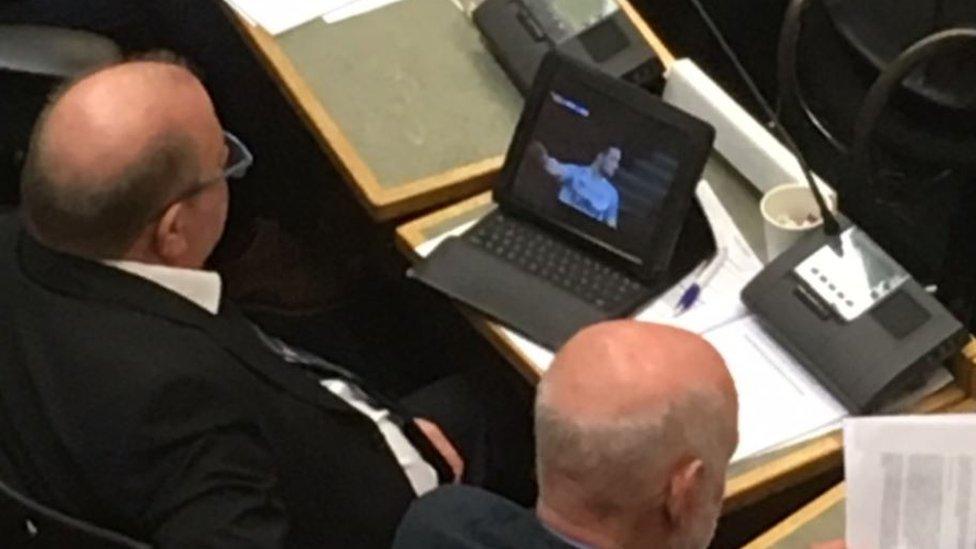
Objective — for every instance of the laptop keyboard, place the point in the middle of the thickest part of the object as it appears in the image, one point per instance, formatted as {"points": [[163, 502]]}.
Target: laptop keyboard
{"points": [[546, 257]]}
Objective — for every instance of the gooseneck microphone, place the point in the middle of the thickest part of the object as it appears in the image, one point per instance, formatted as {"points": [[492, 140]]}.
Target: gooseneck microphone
{"points": [[830, 225]]}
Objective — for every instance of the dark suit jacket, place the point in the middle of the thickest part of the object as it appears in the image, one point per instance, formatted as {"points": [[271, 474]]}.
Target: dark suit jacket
{"points": [[464, 517], [124, 404]]}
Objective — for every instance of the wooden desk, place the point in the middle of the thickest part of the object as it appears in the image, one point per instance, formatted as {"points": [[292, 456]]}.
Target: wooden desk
{"points": [[823, 519], [820, 520], [749, 480], [410, 123]]}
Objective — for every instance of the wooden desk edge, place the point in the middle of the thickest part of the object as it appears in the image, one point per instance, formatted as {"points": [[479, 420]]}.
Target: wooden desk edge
{"points": [[800, 518], [809, 460], [384, 203], [667, 58], [456, 183], [964, 367], [410, 235]]}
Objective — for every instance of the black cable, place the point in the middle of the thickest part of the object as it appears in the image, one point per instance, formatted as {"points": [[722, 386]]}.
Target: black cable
{"points": [[789, 92], [890, 80], [831, 227]]}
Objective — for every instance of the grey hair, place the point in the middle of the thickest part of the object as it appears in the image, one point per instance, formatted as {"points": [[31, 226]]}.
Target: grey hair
{"points": [[72, 213], [621, 465]]}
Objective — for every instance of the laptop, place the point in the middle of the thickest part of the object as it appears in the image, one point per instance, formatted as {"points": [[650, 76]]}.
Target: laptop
{"points": [[596, 212]]}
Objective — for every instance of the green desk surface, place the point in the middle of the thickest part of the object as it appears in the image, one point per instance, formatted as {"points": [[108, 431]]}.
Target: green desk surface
{"points": [[410, 85], [828, 525]]}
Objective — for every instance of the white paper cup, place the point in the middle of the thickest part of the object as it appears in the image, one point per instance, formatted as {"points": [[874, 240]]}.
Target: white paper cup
{"points": [[789, 211]]}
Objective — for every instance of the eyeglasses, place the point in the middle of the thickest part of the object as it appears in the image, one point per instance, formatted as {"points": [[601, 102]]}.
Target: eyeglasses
{"points": [[239, 159]]}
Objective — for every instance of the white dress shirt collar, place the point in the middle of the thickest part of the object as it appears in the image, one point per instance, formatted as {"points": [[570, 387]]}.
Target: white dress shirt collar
{"points": [[198, 286]]}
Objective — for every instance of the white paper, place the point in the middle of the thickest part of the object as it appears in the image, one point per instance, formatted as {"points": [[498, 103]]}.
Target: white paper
{"points": [[279, 16], [429, 246], [719, 301], [778, 398], [939, 379], [352, 9], [911, 482]]}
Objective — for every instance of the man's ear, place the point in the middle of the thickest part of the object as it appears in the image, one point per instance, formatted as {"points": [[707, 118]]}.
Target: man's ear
{"points": [[684, 491], [169, 238]]}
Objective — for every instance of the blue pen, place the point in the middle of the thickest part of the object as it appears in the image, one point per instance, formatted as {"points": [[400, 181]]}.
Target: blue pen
{"points": [[691, 295]]}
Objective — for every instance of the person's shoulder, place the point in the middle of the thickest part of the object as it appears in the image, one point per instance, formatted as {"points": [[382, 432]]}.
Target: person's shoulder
{"points": [[453, 517], [459, 498], [458, 516]]}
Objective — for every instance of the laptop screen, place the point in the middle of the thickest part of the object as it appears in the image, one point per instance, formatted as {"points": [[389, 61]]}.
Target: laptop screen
{"points": [[597, 167]]}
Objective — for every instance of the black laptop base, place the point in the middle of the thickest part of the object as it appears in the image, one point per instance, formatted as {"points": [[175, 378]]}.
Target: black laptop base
{"points": [[557, 262], [539, 308]]}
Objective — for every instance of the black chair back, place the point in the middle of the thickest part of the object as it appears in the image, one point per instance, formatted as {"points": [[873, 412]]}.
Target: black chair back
{"points": [[903, 162], [33, 61], [26, 523]]}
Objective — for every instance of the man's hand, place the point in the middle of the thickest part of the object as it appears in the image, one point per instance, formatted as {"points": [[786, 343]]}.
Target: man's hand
{"points": [[443, 446]]}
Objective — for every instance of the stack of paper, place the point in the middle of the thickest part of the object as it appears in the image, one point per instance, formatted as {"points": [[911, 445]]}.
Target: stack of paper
{"points": [[282, 15], [911, 481]]}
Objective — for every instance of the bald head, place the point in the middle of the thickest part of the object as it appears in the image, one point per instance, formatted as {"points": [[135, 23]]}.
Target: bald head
{"points": [[646, 367], [112, 149], [624, 407]]}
